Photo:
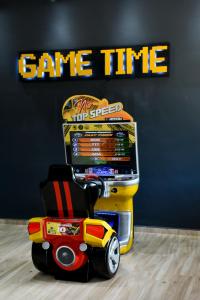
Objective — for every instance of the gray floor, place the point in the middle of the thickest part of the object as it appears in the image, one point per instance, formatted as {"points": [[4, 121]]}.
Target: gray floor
{"points": [[162, 266]]}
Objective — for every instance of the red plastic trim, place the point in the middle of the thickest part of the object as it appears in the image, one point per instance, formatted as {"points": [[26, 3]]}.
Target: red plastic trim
{"points": [[58, 199], [33, 227], [68, 199], [95, 230]]}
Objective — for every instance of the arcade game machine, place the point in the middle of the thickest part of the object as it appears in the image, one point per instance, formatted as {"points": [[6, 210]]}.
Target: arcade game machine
{"points": [[89, 201]]}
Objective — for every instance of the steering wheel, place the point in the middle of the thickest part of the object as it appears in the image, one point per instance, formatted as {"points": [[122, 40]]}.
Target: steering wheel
{"points": [[90, 178]]}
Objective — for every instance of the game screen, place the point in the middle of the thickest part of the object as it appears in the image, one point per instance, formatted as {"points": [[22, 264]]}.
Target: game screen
{"points": [[105, 145], [91, 148]]}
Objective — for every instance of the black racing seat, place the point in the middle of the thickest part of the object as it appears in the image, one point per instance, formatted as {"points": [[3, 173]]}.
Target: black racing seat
{"points": [[64, 198]]}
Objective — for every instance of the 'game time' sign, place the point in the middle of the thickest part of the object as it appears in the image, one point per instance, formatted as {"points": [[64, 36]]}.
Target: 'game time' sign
{"points": [[99, 63]]}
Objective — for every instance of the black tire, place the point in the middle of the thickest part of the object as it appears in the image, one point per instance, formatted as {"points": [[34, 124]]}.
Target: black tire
{"points": [[81, 275], [103, 263], [42, 259]]}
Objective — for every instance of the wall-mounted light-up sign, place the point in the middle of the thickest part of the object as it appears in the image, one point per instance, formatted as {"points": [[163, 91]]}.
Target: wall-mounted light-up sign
{"points": [[101, 63]]}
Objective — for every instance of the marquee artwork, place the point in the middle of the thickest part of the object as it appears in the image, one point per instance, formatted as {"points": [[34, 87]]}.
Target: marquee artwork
{"points": [[95, 63]]}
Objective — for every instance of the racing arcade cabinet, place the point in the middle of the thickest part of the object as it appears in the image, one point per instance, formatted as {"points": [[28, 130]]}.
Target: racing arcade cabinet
{"points": [[89, 201]]}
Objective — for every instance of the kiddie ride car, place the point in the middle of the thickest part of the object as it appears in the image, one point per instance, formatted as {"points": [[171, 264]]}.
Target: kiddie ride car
{"points": [[89, 201]]}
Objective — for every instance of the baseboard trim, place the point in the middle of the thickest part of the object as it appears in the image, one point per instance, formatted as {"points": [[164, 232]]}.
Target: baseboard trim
{"points": [[14, 221], [163, 230]]}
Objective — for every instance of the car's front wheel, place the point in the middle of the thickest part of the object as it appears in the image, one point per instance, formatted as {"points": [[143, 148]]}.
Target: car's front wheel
{"points": [[106, 260]]}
